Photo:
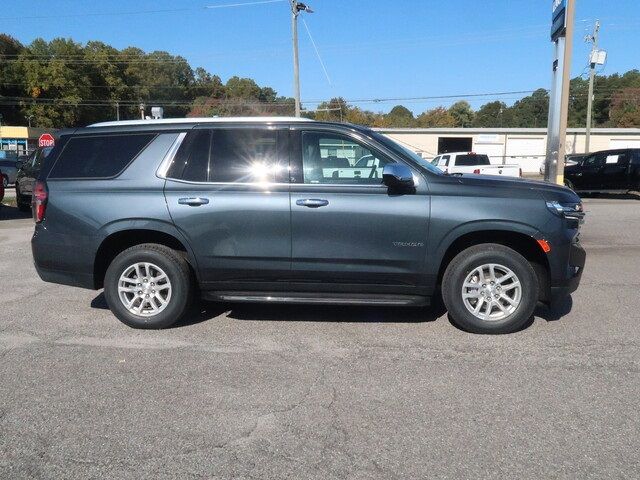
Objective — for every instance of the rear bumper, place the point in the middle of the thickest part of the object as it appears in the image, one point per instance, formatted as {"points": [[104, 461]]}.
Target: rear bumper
{"points": [[575, 267], [58, 261]]}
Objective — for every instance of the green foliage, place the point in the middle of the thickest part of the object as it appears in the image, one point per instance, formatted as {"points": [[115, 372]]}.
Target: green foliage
{"points": [[438, 117], [491, 114], [462, 114], [400, 117]]}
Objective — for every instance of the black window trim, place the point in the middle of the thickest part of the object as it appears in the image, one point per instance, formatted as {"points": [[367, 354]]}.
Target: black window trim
{"points": [[154, 136]]}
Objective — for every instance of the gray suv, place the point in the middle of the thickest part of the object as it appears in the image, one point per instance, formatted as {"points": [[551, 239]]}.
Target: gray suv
{"points": [[294, 211]]}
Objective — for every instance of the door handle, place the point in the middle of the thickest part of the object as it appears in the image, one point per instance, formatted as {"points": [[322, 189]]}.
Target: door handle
{"points": [[312, 202], [193, 201]]}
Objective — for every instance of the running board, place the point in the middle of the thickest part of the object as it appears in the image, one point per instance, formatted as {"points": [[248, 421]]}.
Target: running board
{"points": [[319, 299]]}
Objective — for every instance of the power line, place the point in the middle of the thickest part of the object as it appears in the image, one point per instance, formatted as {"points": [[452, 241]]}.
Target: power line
{"points": [[139, 12]]}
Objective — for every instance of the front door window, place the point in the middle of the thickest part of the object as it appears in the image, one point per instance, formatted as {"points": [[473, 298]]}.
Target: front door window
{"points": [[335, 159]]}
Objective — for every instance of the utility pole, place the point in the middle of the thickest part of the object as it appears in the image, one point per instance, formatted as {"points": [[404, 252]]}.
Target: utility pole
{"points": [[296, 8], [117, 110], [563, 12], [592, 76], [141, 107]]}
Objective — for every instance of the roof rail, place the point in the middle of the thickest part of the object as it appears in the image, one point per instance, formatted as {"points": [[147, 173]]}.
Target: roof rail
{"points": [[164, 121]]}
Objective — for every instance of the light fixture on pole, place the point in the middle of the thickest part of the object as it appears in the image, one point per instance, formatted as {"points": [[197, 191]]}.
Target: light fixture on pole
{"points": [[296, 8]]}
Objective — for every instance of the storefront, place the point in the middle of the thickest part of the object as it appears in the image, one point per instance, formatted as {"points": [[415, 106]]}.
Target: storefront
{"points": [[20, 140]]}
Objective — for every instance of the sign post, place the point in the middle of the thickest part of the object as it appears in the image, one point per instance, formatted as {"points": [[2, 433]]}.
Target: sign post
{"points": [[562, 36], [46, 140]]}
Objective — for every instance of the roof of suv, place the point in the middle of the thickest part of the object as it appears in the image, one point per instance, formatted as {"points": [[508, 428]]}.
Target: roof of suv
{"points": [[171, 121]]}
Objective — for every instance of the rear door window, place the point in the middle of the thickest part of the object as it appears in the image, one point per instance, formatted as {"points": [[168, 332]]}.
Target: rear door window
{"points": [[98, 156], [245, 155]]}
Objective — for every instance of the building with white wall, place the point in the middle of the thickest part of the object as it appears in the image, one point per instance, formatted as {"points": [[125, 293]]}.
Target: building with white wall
{"points": [[524, 146]]}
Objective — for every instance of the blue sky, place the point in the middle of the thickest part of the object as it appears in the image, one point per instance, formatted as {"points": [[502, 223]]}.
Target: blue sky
{"points": [[372, 49]]}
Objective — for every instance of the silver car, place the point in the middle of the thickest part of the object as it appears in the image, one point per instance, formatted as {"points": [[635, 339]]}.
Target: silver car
{"points": [[9, 171]]}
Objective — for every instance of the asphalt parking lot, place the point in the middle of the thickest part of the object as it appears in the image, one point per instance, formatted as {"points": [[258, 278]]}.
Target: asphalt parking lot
{"points": [[308, 392]]}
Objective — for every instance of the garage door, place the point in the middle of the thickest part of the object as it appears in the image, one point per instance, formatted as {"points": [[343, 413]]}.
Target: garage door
{"points": [[528, 152], [624, 143], [494, 151]]}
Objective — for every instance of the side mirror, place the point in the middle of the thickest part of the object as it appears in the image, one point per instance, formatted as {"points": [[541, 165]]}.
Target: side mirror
{"points": [[396, 175]]}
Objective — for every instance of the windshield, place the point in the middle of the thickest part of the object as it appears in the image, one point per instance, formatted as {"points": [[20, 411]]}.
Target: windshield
{"points": [[405, 152]]}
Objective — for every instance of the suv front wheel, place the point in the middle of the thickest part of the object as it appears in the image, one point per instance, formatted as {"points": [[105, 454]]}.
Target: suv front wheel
{"points": [[490, 288], [148, 286]]}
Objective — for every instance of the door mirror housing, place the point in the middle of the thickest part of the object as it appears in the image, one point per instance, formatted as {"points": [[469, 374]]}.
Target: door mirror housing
{"points": [[396, 175]]}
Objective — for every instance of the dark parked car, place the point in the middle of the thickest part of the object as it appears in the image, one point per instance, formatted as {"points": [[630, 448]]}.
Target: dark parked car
{"points": [[605, 171], [27, 173], [260, 210], [570, 159]]}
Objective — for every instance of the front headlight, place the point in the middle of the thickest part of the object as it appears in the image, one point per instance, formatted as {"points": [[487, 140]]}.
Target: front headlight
{"points": [[572, 210]]}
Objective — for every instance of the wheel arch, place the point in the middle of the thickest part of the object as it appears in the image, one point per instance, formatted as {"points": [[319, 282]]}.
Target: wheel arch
{"points": [[521, 239], [118, 239]]}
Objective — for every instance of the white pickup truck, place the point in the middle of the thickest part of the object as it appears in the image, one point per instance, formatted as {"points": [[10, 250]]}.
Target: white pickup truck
{"points": [[469, 162]]}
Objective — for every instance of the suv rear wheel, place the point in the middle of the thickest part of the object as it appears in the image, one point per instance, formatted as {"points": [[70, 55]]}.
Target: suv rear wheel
{"points": [[490, 288], [148, 286]]}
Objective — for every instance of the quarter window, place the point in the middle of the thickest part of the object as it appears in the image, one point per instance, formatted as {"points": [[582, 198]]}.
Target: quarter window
{"points": [[337, 159], [99, 156], [191, 162]]}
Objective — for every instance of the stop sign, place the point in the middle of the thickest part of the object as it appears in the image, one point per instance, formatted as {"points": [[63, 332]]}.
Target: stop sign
{"points": [[46, 140]]}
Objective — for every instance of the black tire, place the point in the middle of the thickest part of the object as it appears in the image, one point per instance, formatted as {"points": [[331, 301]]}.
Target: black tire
{"points": [[175, 267], [489, 253], [21, 202]]}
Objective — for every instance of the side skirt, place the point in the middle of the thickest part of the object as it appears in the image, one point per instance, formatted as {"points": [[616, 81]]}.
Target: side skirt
{"points": [[318, 299]]}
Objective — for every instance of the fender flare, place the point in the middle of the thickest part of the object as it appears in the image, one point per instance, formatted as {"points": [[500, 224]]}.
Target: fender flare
{"points": [[162, 226], [438, 252]]}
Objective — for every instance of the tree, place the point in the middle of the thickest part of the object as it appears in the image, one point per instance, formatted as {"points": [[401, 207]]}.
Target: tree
{"points": [[531, 111], [400, 117], [492, 114], [334, 110], [436, 117], [462, 113], [625, 108], [10, 85]]}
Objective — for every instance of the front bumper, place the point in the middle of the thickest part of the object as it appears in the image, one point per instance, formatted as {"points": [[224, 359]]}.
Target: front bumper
{"points": [[575, 267]]}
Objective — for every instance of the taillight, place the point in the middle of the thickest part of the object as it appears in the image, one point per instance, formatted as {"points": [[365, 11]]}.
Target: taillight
{"points": [[477, 171], [39, 200]]}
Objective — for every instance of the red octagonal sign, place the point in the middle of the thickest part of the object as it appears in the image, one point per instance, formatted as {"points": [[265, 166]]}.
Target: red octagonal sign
{"points": [[46, 140]]}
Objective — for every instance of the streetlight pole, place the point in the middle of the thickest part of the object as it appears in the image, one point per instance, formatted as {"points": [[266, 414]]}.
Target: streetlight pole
{"points": [[296, 8], [592, 75], [562, 36]]}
